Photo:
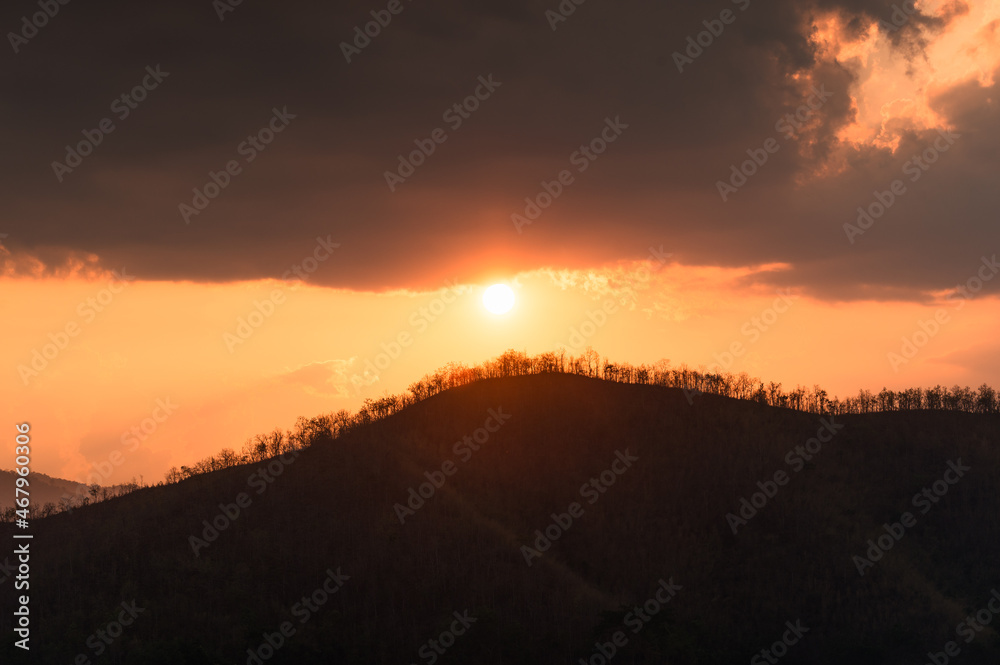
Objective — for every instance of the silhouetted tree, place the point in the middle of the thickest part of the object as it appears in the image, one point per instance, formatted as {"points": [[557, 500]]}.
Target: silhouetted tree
{"points": [[510, 363]]}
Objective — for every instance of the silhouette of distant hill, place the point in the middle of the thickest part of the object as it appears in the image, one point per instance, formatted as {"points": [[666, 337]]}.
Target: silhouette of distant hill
{"points": [[654, 529], [44, 489]]}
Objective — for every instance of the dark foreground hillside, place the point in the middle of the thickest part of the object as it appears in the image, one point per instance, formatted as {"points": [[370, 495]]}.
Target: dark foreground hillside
{"points": [[648, 569]]}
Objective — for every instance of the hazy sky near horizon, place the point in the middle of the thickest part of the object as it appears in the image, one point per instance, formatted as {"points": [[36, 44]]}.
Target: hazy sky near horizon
{"points": [[814, 181]]}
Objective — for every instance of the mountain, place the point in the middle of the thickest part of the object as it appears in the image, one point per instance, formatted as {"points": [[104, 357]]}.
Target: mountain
{"points": [[639, 489], [44, 489]]}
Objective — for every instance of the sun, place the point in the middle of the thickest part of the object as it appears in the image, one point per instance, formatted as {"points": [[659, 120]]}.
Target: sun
{"points": [[498, 299]]}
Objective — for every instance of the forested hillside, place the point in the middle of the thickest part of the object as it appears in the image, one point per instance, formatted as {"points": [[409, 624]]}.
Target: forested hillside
{"points": [[552, 509]]}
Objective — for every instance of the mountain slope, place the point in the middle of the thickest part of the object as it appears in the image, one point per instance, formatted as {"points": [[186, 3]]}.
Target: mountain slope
{"points": [[44, 489], [678, 468]]}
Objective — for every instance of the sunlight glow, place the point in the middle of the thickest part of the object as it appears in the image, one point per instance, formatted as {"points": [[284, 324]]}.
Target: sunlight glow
{"points": [[896, 89], [498, 299]]}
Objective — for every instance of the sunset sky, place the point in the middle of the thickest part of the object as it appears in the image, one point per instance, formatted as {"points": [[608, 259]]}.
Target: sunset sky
{"points": [[261, 168]]}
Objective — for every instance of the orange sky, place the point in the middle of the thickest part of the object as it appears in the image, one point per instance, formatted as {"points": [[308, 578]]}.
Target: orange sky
{"points": [[764, 275], [165, 341]]}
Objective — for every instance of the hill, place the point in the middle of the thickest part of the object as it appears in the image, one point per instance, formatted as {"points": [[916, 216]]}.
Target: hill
{"points": [[622, 498], [44, 489]]}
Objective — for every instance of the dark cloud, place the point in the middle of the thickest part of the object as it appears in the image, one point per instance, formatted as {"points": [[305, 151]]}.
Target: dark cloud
{"points": [[323, 175]]}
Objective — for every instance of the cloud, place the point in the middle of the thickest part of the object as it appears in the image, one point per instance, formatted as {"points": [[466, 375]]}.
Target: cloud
{"points": [[328, 378], [981, 359], [324, 173]]}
